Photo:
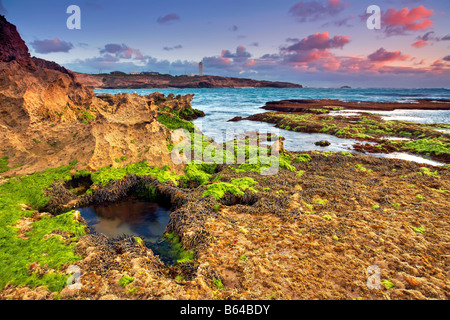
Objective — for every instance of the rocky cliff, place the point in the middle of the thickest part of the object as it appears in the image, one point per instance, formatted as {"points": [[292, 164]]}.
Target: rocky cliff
{"points": [[48, 119], [120, 81]]}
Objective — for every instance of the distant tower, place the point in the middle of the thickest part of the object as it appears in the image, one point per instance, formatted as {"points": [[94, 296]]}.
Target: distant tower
{"points": [[200, 69]]}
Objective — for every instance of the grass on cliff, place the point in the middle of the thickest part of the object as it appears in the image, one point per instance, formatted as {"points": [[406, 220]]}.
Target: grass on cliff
{"points": [[4, 161], [37, 246]]}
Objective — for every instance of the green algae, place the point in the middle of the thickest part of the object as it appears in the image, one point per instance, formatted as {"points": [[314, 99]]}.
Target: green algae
{"points": [[200, 173], [44, 245], [235, 187], [303, 158], [427, 172], [177, 252], [320, 201], [360, 167], [4, 161], [420, 229], [173, 122], [125, 280], [104, 175], [426, 139], [218, 190], [436, 146], [388, 284]]}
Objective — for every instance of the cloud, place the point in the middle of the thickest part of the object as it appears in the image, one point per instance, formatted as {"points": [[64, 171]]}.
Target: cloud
{"points": [[108, 62], [179, 46], [429, 38], [320, 41], [228, 60], [316, 10], [420, 44], [168, 18], [312, 58], [292, 40], [49, 46], [234, 28], [122, 51], [240, 55], [345, 22], [401, 21], [382, 55]]}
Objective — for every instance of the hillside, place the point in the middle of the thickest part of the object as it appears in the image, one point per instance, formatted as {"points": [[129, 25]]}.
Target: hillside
{"points": [[126, 81]]}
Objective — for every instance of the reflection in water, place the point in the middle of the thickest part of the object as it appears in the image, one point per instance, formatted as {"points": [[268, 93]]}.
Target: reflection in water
{"points": [[131, 216]]}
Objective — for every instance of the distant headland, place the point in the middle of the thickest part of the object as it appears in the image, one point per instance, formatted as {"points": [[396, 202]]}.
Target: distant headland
{"points": [[147, 80]]}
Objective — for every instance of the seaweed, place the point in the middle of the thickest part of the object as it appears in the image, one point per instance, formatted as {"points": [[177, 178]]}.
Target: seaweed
{"points": [[235, 187], [4, 164]]}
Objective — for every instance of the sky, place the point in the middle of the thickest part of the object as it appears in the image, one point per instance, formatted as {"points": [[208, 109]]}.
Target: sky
{"points": [[316, 43]]}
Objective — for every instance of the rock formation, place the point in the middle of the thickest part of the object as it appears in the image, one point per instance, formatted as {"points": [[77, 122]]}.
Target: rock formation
{"points": [[302, 105], [49, 119]]}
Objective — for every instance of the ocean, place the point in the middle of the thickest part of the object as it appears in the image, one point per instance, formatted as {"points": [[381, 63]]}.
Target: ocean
{"points": [[221, 105]]}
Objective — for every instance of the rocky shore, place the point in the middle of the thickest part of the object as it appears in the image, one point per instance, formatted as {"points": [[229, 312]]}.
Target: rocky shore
{"points": [[300, 105], [311, 230], [375, 134]]}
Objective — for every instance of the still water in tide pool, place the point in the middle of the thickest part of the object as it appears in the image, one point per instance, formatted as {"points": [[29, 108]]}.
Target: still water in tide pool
{"points": [[131, 216], [134, 217]]}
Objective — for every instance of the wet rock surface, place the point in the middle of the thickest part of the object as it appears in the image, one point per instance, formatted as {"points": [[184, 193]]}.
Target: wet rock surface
{"points": [[322, 143]]}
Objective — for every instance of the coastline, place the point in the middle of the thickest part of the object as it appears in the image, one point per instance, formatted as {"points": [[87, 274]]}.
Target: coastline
{"points": [[165, 81], [310, 230]]}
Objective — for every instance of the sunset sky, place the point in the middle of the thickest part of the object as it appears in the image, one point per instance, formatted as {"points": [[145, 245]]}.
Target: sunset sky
{"points": [[317, 43]]}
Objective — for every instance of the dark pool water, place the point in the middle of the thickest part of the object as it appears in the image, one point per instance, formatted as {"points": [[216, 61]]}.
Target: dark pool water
{"points": [[134, 217], [131, 216]]}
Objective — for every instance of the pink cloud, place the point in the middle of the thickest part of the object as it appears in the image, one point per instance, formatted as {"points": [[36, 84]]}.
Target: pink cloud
{"points": [[420, 44], [122, 51], [415, 19], [382, 55], [320, 41], [228, 59]]}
